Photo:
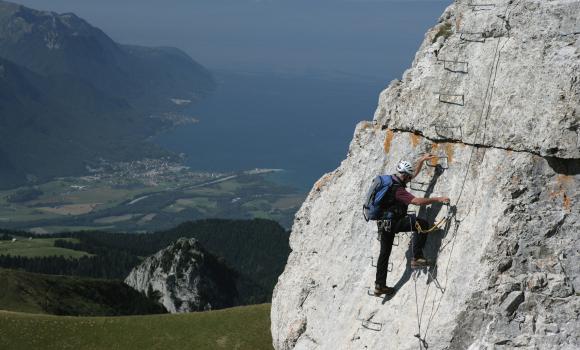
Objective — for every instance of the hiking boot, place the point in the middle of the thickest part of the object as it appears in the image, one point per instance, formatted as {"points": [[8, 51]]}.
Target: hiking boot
{"points": [[380, 290], [420, 262]]}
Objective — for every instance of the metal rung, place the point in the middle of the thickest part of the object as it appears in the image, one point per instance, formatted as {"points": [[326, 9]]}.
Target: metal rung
{"points": [[453, 99], [419, 186], [445, 164], [389, 266], [397, 241], [472, 37], [372, 326], [371, 294], [481, 7], [571, 33], [455, 66], [443, 131]]}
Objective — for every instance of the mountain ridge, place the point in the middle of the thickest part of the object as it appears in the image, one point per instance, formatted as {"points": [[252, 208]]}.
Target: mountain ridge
{"points": [[78, 84]]}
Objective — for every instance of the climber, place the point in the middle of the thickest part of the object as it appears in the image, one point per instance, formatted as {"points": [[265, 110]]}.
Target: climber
{"points": [[397, 220]]}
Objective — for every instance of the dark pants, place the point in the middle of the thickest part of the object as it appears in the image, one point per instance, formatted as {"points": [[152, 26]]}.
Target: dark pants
{"points": [[405, 224]]}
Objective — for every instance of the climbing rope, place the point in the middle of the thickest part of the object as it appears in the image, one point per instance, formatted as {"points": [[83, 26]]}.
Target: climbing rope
{"points": [[422, 339], [436, 226]]}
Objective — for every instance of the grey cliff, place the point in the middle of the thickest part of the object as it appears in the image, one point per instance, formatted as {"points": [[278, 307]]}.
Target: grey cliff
{"points": [[494, 90], [184, 278]]}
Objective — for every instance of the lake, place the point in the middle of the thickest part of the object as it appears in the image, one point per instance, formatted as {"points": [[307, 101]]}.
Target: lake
{"points": [[302, 123]]}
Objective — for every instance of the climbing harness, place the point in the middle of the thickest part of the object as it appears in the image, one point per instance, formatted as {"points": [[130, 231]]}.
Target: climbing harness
{"points": [[384, 225]]}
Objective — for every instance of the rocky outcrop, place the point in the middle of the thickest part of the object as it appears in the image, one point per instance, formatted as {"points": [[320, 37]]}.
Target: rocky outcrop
{"points": [[184, 277], [494, 91]]}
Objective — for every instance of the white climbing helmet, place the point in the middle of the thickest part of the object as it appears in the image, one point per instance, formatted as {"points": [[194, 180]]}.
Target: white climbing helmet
{"points": [[405, 168]]}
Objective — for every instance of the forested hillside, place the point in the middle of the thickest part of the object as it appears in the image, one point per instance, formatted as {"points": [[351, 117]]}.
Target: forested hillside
{"points": [[255, 249]]}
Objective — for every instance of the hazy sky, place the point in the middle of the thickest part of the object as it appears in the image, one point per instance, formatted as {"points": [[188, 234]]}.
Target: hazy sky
{"points": [[377, 38]]}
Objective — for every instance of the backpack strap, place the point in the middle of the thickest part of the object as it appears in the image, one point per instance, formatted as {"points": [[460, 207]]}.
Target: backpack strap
{"points": [[393, 207]]}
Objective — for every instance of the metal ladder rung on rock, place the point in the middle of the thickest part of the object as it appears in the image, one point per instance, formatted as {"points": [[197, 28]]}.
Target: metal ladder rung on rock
{"points": [[419, 186], [481, 7], [472, 37], [455, 66], [389, 267], [372, 326], [444, 130], [452, 99]]}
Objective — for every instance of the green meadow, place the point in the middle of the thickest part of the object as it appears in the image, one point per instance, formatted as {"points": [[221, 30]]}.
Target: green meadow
{"points": [[239, 328], [38, 247]]}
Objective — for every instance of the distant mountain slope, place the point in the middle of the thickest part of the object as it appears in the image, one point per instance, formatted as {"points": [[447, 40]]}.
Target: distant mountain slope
{"points": [[64, 44], [56, 125], [70, 95], [60, 295]]}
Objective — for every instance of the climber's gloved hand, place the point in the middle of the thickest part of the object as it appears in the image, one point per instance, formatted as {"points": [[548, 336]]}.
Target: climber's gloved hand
{"points": [[428, 156]]}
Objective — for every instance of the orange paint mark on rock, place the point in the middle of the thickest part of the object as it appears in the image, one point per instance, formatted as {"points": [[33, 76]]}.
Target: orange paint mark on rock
{"points": [[567, 202], [415, 139], [322, 182], [367, 125], [556, 193], [564, 180], [434, 148], [449, 152], [564, 183], [458, 21], [388, 140]]}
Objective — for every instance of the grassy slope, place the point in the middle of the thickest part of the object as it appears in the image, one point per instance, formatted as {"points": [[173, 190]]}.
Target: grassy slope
{"points": [[38, 247], [237, 328], [64, 295]]}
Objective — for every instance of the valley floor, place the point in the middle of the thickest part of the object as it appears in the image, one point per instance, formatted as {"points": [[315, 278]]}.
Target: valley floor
{"points": [[146, 196], [236, 328]]}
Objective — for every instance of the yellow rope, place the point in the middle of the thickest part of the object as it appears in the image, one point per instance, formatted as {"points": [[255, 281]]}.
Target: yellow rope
{"points": [[420, 229]]}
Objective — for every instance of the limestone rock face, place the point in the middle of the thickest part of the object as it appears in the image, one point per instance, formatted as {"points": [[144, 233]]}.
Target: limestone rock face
{"points": [[184, 277], [495, 91]]}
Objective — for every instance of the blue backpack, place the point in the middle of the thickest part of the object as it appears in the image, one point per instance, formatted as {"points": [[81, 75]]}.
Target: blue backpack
{"points": [[375, 204]]}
